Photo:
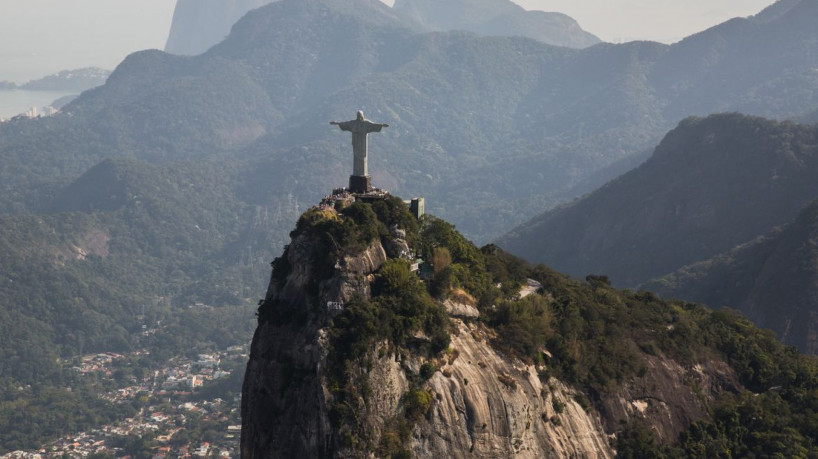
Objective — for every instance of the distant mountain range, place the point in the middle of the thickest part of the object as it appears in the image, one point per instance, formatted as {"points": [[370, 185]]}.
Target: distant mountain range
{"points": [[67, 80], [200, 24], [507, 126]]}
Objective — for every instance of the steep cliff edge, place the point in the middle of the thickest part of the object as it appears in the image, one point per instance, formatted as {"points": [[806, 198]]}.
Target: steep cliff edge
{"points": [[356, 356]]}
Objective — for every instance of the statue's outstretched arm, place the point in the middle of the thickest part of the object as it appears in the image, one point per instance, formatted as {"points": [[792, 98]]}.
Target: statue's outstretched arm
{"points": [[344, 125]]}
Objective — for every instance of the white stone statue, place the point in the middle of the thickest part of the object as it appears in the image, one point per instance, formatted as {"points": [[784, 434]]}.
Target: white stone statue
{"points": [[359, 128]]}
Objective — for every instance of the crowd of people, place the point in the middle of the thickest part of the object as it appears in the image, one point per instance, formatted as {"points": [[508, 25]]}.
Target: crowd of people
{"points": [[343, 194]]}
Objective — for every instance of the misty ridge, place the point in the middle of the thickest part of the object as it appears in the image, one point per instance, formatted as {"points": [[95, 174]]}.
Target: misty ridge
{"points": [[686, 169]]}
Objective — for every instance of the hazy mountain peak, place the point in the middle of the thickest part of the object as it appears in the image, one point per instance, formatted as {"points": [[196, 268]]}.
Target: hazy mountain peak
{"points": [[496, 17], [199, 24], [776, 10]]}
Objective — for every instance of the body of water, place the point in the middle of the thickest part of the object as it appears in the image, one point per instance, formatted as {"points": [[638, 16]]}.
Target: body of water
{"points": [[16, 101]]}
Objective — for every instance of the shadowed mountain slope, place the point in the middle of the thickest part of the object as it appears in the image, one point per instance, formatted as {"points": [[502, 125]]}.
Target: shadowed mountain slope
{"points": [[773, 280], [776, 10], [710, 185], [125, 240], [129, 256], [810, 118]]}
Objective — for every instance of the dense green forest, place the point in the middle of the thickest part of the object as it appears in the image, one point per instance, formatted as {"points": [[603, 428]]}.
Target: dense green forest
{"points": [[127, 245]]}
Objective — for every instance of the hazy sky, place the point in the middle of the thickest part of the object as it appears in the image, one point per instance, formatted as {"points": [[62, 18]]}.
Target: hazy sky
{"points": [[38, 37], [667, 21]]}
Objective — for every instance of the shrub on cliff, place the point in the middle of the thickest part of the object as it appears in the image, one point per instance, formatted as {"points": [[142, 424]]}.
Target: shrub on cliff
{"points": [[467, 267], [525, 325]]}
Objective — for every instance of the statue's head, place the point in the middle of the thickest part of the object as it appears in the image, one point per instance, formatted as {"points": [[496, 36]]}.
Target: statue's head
{"points": [[360, 115]]}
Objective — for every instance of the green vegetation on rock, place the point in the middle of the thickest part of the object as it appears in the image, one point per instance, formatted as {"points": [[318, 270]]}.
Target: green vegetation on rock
{"points": [[598, 337], [758, 396]]}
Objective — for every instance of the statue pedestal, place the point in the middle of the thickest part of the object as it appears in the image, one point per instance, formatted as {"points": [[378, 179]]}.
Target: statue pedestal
{"points": [[360, 183]]}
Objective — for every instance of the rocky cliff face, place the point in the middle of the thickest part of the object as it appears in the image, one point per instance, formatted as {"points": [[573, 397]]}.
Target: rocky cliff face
{"points": [[481, 402], [285, 401], [491, 406]]}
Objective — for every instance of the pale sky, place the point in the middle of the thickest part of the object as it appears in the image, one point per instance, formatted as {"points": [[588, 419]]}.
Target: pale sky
{"points": [[666, 21], [39, 37]]}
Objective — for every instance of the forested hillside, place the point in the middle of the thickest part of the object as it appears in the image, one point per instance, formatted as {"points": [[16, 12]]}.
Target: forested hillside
{"points": [[127, 244], [127, 247]]}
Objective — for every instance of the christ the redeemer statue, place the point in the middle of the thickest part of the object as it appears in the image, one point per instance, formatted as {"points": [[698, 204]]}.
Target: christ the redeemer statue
{"points": [[359, 181]]}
